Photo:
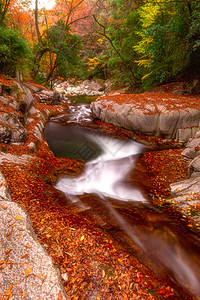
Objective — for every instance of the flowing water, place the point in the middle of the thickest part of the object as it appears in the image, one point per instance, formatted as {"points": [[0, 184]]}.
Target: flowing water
{"points": [[104, 192]]}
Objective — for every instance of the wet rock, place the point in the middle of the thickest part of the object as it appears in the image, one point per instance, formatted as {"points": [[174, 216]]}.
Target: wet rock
{"points": [[51, 97]]}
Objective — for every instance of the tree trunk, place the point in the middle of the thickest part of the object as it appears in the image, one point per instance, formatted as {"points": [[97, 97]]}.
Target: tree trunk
{"points": [[37, 24], [5, 10]]}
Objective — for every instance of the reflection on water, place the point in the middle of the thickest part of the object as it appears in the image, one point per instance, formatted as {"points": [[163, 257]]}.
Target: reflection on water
{"points": [[72, 141], [158, 240]]}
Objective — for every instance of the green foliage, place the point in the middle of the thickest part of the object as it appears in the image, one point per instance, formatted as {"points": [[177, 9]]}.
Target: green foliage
{"points": [[121, 24], [194, 37], [66, 48], [166, 47], [14, 52], [151, 41]]}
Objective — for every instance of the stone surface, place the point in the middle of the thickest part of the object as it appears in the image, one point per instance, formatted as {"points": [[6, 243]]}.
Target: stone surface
{"points": [[15, 102], [11, 128], [26, 271], [163, 115], [186, 193], [85, 88], [26, 100]]}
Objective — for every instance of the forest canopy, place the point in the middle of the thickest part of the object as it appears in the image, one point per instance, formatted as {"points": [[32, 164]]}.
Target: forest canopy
{"points": [[133, 43]]}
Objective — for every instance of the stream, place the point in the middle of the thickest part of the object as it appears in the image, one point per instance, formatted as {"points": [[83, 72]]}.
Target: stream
{"points": [[104, 194]]}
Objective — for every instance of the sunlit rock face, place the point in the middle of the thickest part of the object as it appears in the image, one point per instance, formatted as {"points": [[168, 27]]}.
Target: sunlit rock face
{"points": [[164, 115]]}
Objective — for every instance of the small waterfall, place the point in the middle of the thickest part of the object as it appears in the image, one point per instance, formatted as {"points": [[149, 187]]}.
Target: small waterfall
{"points": [[106, 174]]}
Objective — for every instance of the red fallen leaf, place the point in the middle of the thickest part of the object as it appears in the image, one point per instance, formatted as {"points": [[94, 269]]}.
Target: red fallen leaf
{"points": [[28, 246], [45, 277], [28, 271], [25, 256], [8, 251], [60, 297], [162, 291]]}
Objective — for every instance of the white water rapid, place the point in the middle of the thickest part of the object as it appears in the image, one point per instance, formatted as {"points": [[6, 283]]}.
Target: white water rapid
{"points": [[106, 174]]}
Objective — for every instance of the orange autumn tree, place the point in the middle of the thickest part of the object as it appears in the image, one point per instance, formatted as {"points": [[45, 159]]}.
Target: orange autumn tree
{"points": [[57, 51]]}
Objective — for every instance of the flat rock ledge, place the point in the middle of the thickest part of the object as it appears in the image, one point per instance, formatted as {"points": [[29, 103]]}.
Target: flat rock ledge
{"points": [[163, 115], [26, 269], [186, 193]]}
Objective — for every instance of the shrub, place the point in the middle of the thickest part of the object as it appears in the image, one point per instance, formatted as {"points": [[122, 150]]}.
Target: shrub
{"points": [[14, 52]]}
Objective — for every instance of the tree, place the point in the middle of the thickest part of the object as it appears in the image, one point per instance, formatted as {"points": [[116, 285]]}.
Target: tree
{"points": [[14, 51], [47, 49], [4, 5], [117, 25], [167, 39], [63, 50]]}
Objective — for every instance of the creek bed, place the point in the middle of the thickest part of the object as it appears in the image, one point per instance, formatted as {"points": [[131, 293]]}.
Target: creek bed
{"points": [[104, 194]]}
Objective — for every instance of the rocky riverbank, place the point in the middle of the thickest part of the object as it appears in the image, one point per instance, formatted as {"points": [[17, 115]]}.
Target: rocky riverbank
{"points": [[26, 269], [29, 169], [168, 116], [163, 115], [85, 88]]}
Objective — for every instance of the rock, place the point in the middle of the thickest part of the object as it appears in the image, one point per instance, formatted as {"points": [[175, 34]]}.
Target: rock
{"points": [[26, 100], [186, 194], [188, 87], [190, 153], [34, 88], [51, 97], [11, 128], [5, 134], [163, 115], [85, 88], [4, 100], [30, 272], [195, 164], [193, 147]]}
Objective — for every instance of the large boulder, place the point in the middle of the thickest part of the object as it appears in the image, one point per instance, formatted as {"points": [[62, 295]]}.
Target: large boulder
{"points": [[164, 115], [27, 271]]}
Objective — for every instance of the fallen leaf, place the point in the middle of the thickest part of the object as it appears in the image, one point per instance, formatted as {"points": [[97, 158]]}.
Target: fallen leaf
{"points": [[8, 251], [25, 256], [28, 271], [45, 277], [60, 297]]}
